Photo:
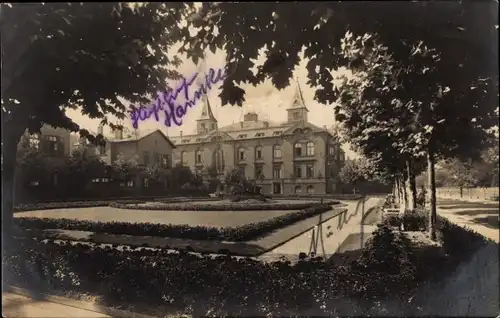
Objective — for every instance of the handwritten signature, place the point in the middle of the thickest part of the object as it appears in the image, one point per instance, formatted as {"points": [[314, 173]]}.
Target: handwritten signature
{"points": [[166, 101]]}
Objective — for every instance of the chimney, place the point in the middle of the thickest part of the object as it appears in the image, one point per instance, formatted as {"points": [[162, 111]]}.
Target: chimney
{"points": [[250, 116], [266, 124], [119, 134], [100, 130], [181, 133]]}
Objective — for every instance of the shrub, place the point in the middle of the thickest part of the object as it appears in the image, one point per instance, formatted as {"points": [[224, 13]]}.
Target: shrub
{"points": [[197, 285], [221, 207], [243, 233], [68, 205]]}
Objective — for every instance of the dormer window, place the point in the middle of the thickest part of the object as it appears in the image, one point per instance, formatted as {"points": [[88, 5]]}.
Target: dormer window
{"points": [[259, 135], [242, 136], [199, 139], [277, 133], [185, 141]]}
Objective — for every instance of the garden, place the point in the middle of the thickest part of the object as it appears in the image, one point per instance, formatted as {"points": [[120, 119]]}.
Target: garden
{"points": [[391, 268], [200, 225]]}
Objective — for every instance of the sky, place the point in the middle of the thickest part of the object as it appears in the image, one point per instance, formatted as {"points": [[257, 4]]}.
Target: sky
{"points": [[266, 100]]}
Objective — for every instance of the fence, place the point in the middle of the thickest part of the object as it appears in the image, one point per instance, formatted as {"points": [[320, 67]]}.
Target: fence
{"points": [[470, 193]]}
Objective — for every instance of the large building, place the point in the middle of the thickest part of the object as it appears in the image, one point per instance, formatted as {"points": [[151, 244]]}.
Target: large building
{"points": [[294, 157]]}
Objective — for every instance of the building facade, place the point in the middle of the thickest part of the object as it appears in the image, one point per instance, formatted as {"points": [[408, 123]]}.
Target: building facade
{"points": [[294, 157]]}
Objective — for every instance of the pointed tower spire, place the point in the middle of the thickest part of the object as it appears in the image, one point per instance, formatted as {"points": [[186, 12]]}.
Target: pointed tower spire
{"points": [[207, 121], [297, 112]]}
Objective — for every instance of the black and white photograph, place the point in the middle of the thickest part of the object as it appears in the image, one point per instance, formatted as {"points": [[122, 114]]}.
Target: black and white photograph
{"points": [[250, 159]]}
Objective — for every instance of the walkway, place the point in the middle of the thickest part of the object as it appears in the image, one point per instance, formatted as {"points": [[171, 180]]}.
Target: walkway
{"points": [[481, 217], [329, 236], [14, 305]]}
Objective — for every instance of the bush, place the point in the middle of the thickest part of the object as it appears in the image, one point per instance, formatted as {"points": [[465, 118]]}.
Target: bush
{"points": [[221, 207], [201, 285], [243, 233], [68, 205]]}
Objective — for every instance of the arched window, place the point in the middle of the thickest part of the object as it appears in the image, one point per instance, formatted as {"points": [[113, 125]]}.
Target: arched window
{"points": [[198, 156], [276, 151], [241, 154], [258, 152], [310, 149], [298, 189], [310, 189], [298, 149]]}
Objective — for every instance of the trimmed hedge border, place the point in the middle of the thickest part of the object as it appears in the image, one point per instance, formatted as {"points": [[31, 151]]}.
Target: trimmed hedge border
{"points": [[222, 207], [67, 205], [243, 233]]}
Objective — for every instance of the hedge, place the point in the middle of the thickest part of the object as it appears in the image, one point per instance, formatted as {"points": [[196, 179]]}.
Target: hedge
{"points": [[242, 233], [68, 205], [221, 207], [168, 283]]}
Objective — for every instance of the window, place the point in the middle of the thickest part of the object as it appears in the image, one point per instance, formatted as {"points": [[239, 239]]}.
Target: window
{"points": [[35, 141], [102, 149], [213, 126], [297, 189], [342, 156], [310, 170], [146, 182], [259, 135], [185, 141], [331, 150], [310, 189], [277, 151], [277, 172], [298, 149], [104, 180], [298, 171], [310, 149], [34, 183], [259, 173], [241, 154], [277, 133], [130, 183], [53, 142], [157, 158], [54, 179], [295, 115], [258, 152], [242, 136], [198, 156], [203, 128], [146, 157]]}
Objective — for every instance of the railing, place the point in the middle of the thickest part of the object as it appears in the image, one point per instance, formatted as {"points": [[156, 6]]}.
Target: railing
{"points": [[467, 193]]}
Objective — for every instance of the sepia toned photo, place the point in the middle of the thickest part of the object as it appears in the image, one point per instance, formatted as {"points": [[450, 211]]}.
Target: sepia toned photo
{"points": [[256, 159]]}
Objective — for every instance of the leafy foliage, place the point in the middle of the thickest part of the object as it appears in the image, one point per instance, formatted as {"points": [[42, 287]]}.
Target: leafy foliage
{"points": [[242, 30]]}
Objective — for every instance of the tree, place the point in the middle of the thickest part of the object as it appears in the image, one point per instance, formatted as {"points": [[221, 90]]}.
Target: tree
{"points": [[125, 169], [181, 175], [431, 42], [282, 31], [80, 168], [353, 173], [52, 60]]}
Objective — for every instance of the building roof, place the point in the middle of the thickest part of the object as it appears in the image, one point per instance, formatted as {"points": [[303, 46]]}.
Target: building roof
{"points": [[132, 139]]}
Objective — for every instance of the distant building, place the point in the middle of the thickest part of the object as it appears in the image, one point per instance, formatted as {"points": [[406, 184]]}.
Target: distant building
{"points": [[54, 142], [294, 157]]}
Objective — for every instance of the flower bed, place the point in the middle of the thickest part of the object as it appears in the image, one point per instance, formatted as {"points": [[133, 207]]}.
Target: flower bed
{"points": [[242, 233], [221, 207], [67, 205]]}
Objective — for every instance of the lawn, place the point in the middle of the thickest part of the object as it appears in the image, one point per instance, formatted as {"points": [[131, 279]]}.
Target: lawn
{"points": [[194, 218]]}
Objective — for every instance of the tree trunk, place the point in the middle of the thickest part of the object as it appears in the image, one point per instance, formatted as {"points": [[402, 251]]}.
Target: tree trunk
{"points": [[412, 185], [461, 192], [9, 153], [404, 195], [432, 194]]}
